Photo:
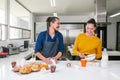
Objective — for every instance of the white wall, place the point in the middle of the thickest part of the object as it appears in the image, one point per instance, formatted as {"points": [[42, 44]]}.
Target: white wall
{"points": [[83, 18], [3, 43], [16, 43], [111, 32]]}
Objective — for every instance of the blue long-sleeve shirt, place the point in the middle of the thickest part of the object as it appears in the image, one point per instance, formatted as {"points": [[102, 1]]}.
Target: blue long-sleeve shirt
{"points": [[42, 37]]}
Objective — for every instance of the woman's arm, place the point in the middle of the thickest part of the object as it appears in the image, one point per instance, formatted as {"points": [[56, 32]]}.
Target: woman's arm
{"points": [[99, 51], [75, 47]]}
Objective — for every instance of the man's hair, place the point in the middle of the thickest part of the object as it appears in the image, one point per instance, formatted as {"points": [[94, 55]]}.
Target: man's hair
{"points": [[51, 19]]}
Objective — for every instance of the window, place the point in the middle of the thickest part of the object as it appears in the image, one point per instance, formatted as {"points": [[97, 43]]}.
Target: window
{"points": [[0, 32], [26, 34], [4, 32], [19, 16], [19, 33], [2, 11], [19, 21], [15, 33]]}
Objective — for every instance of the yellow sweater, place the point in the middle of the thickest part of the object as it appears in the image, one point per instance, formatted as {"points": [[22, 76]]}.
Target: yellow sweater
{"points": [[87, 45]]}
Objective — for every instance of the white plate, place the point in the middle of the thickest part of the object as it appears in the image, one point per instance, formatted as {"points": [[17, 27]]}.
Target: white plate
{"points": [[90, 57]]}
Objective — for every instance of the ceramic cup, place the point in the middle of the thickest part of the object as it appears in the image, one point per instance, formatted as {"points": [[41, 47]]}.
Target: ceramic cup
{"points": [[13, 64], [52, 68], [83, 62]]}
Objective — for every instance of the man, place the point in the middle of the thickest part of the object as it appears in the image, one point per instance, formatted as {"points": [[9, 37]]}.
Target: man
{"points": [[50, 42]]}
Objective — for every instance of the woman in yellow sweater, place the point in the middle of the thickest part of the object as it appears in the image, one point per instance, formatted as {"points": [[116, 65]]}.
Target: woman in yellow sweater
{"points": [[87, 43]]}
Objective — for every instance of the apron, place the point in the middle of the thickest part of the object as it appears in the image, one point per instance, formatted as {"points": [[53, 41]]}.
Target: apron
{"points": [[50, 49]]}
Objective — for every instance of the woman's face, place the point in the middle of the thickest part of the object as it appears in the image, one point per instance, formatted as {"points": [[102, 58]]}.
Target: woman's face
{"points": [[90, 28], [56, 24]]}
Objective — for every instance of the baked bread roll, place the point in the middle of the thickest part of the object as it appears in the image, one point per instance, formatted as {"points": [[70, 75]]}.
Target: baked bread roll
{"points": [[45, 66], [38, 63], [25, 70], [35, 67]]}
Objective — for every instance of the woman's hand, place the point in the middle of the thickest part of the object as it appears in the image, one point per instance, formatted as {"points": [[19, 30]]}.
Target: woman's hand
{"points": [[82, 56]]}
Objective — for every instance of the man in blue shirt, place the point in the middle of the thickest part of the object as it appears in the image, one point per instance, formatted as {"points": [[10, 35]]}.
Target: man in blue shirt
{"points": [[50, 42]]}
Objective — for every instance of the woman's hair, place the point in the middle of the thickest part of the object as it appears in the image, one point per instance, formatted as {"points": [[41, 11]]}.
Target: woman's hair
{"points": [[92, 21], [49, 20]]}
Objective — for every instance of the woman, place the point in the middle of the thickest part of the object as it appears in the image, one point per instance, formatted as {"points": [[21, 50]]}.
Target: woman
{"points": [[87, 43], [50, 42]]}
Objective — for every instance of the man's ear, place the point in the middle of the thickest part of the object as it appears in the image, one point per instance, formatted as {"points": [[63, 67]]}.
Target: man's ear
{"points": [[51, 23]]}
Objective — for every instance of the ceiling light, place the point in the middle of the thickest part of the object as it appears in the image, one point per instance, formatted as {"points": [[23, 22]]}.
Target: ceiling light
{"points": [[52, 3], [115, 14], [55, 14]]}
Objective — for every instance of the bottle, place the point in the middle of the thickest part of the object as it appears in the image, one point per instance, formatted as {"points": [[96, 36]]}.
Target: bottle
{"points": [[33, 58], [53, 61], [104, 60]]}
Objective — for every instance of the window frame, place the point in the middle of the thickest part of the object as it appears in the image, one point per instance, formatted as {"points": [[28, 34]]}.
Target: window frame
{"points": [[22, 29]]}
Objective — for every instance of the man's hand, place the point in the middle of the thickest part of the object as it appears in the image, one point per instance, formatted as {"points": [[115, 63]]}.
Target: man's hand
{"points": [[55, 59], [47, 61]]}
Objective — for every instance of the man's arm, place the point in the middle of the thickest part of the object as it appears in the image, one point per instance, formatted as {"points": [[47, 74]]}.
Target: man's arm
{"points": [[58, 56], [60, 47]]}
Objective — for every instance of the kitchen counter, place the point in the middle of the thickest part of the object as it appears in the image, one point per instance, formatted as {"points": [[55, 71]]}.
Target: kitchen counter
{"points": [[93, 71], [22, 55]]}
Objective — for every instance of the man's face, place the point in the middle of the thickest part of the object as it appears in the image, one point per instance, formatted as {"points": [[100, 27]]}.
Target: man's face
{"points": [[56, 24]]}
